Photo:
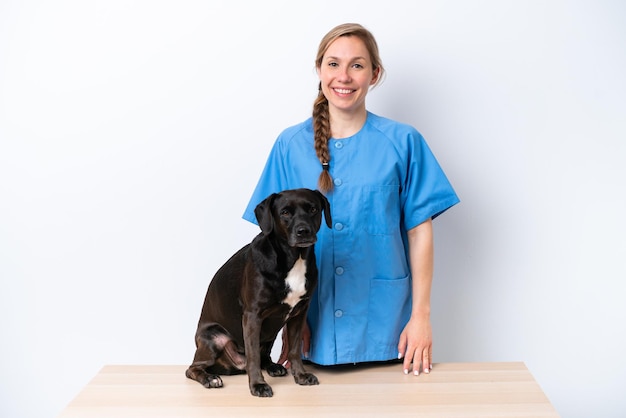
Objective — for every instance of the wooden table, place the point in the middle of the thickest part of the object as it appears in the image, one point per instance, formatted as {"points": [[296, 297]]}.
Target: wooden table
{"points": [[450, 390]]}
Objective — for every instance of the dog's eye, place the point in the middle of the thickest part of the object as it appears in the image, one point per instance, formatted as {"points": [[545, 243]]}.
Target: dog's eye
{"points": [[284, 212], [313, 210]]}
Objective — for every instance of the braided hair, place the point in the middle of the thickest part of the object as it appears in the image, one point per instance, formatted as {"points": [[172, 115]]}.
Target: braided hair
{"points": [[321, 114]]}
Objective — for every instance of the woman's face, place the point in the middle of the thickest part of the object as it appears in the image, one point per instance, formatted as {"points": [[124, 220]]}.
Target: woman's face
{"points": [[346, 74]]}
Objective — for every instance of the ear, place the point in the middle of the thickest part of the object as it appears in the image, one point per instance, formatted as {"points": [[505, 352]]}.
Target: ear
{"points": [[326, 206], [263, 213], [375, 76]]}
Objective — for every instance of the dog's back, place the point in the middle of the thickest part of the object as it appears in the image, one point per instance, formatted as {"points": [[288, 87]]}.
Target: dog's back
{"points": [[221, 301]]}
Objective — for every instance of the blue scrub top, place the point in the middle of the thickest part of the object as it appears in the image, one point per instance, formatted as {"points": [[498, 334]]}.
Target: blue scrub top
{"points": [[387, 181]]}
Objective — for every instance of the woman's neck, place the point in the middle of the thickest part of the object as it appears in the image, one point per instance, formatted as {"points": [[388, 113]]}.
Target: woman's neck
{"points": [[344, 125]]}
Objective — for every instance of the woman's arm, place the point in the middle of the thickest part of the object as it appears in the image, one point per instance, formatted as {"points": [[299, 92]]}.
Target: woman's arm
{"points": [[416, 340]]}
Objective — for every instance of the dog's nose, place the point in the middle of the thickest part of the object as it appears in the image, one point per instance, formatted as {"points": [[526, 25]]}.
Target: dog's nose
{"points": [[303, 231]]}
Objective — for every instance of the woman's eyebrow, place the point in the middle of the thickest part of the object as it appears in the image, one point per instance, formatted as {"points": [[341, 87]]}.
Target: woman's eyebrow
{"points": [[350, 59]]}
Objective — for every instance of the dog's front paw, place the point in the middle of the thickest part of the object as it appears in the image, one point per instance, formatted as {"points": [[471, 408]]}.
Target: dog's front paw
{"points": [[306, 379], [262, 390], [276, 370]]}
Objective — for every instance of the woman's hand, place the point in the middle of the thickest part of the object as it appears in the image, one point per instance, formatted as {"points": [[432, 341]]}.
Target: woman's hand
{"points": [[416, 345], [306, 345]]}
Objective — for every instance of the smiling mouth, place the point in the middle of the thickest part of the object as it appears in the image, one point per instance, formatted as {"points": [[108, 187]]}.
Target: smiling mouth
{"points": [[344, 91]]}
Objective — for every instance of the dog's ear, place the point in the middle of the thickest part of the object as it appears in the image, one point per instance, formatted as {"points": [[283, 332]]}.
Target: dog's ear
{"points": [[326, 207], [263, 213]]}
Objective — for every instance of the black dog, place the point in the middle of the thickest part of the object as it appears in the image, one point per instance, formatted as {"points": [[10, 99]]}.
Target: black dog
{"points": [[265, 285]]}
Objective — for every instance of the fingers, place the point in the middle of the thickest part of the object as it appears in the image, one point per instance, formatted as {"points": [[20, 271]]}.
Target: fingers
{"points": [[402, 353], [426, 356], [420, 358], [406, 364]]}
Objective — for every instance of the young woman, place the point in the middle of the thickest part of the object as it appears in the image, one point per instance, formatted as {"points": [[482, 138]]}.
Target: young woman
{"points": [[384, 186]]}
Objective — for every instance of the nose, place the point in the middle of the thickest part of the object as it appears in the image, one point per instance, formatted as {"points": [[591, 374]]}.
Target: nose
{"points": [[303, 231], [344, 75]]}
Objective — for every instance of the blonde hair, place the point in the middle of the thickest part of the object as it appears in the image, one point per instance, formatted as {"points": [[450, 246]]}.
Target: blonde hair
{"points": [[321, 115]]}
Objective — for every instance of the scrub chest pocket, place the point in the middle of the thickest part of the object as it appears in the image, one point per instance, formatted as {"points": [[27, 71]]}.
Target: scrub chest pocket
{"points": [[381, 206]]}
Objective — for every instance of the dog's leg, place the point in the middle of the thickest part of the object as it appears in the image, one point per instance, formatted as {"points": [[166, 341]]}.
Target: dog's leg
{"points": [[273, 369], [198, 372], [215, 353], [294, 338], [203, 360], [251, 322], [234, 358]]}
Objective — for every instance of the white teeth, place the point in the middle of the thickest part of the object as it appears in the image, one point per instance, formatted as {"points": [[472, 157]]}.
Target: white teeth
{"points": [[343, 91]]}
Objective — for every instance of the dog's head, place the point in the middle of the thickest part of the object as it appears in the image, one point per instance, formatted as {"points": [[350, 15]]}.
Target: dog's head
{"points": [[295, 215]]}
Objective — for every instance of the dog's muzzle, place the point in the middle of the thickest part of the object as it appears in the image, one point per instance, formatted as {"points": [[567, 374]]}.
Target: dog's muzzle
{"points": [[302, 235]]}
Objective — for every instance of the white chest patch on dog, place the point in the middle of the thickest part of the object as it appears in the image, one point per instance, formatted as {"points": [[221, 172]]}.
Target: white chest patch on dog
{"points": [[295, 282]]}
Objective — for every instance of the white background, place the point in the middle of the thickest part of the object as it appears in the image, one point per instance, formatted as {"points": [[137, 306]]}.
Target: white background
{"points": [[132, 134]]}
